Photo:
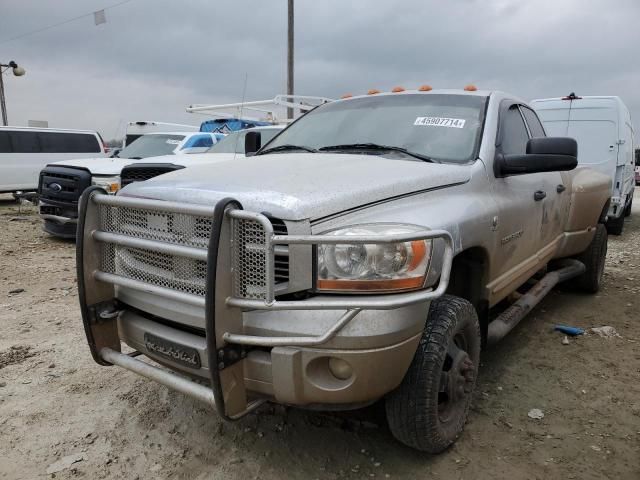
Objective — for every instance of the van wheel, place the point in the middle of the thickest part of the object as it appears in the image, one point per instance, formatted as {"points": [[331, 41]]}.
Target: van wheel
{"points": [[594, 258], [615, 225], [430, 407], [627, 211]]}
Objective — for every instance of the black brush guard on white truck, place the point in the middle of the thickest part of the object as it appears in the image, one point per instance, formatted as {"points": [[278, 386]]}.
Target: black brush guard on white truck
{"points": [[238, 252]]}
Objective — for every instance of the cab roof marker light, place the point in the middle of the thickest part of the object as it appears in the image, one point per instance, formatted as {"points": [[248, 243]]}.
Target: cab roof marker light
{"points": [[373, 91], [398, 89], [470, 88], [346, 95], [425, 88]]}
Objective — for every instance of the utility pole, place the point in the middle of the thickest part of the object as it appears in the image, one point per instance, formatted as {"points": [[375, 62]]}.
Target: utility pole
{"points": [[3, 105], [290, 87]]}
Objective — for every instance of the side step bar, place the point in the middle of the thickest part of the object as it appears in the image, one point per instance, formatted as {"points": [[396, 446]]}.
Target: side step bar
{"points": [[507, 320]]}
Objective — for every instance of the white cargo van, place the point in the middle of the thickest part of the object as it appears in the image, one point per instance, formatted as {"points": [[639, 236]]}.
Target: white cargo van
{"points": [[604, 132], [25, 151]]}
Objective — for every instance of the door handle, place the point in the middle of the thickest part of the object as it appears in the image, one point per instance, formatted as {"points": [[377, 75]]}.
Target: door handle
{"points": [[539, 195], [560, 188]]}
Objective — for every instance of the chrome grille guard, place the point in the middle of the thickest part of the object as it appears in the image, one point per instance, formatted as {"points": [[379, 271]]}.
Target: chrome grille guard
{"points": [[223, 301]]}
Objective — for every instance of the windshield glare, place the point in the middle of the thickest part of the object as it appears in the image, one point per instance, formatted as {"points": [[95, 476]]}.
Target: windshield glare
{"points": [[234, 142], [151, 146], [440, 126]]}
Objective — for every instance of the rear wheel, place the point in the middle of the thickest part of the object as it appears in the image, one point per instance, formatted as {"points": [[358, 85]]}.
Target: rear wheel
{"points": [[616, 225], [627, 211], [430, 407], [594, 258]]}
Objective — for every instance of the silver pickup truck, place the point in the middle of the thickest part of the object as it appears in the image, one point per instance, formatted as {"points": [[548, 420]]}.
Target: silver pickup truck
{"points": [[368, 252]]}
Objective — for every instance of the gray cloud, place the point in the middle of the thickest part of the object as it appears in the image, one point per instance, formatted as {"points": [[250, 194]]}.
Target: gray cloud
{"points": [[153, 58]]}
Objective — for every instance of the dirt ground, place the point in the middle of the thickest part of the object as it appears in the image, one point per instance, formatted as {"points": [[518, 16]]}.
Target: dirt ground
{"points": [[59, 409]]}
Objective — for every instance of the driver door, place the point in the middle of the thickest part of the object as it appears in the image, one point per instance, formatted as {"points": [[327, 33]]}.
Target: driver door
{"points": [[526, 221]]}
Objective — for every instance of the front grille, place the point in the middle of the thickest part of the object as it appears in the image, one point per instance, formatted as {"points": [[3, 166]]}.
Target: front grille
{"points": [[140, 173], [169, 227], [281, 261], [179, 273], [63, 185]]}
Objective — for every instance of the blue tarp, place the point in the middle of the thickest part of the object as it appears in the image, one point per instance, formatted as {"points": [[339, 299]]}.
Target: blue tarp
{"points": [[226, 125]]}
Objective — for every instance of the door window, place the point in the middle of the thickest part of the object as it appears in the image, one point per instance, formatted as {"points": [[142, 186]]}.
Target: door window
{"points": [[535, 127], [514, 135], [5, 143], [25, 142]]}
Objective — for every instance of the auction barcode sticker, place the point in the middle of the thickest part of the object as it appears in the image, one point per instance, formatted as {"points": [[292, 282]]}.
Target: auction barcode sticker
{"points": [[440, 122]]}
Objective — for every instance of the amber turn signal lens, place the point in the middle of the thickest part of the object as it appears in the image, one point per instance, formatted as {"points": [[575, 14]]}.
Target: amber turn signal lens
{"points": [[394, 285]]}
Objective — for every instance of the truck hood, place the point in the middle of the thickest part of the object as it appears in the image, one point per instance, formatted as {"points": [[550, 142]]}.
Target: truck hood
{"points": [[301, 186], [113, 166]]}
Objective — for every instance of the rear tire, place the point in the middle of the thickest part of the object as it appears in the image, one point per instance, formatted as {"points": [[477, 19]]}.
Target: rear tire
{"points": [[627, 211], [615, 225], [594, 258], [430, 407]]}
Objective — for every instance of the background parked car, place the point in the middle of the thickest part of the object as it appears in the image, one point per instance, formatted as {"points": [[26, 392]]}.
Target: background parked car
{"points": [[24, 151], [62, 183]]}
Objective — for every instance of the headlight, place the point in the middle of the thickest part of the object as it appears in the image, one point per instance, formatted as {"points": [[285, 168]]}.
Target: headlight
{"points": [[110, 184], [373, 267]]}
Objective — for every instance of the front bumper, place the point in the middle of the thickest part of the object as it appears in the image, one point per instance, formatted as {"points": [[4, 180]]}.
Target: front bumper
{"points": [[302, 375], [59, 221], [255, 358]]}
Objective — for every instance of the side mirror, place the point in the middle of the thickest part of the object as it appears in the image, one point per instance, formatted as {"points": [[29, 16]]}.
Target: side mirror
{"points": [[544, 154], [115, 152], [252, 143]]}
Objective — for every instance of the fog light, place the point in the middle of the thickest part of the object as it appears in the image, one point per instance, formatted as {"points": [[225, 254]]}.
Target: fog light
{"points": [[340, 369]]}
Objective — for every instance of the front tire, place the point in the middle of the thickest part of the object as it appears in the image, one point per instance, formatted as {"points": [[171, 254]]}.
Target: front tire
{"points": [[594, 258], [430, 407]]}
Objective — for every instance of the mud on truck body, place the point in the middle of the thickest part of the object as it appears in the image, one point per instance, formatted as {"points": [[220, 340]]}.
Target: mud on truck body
{"points": [[355, 257]]}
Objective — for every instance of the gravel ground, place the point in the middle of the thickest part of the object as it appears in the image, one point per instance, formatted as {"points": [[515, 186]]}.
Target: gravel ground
{"points": [[63, 416]]}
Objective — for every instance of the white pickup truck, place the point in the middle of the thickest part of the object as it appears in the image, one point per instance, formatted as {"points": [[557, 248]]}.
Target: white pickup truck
{"points": [[61, 183]]}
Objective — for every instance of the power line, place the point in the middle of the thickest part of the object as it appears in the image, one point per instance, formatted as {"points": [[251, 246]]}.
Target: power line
{"points": [[48, 27]]}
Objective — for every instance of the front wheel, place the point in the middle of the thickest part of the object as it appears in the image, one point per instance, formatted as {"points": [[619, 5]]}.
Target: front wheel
{"points": [[430, 407]]}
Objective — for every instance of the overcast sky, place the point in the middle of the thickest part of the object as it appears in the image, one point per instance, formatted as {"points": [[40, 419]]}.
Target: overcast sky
{"points": [[154, 57]]}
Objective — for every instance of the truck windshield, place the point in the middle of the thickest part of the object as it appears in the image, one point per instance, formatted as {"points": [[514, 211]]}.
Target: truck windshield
{"points": [[234, 142], [441, 127], [151, 146]]}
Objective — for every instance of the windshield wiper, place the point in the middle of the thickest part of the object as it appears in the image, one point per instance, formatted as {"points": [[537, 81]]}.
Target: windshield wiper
{"points": [[288, 147], [135, 158], [375, 146]]}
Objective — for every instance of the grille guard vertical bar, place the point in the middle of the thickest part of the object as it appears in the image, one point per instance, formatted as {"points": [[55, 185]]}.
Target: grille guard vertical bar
{"points": [[88, 316], [210, 306]]}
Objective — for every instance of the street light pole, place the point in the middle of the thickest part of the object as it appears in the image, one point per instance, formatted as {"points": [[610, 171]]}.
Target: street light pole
{"points": [[18, 72], [290, 87]]}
